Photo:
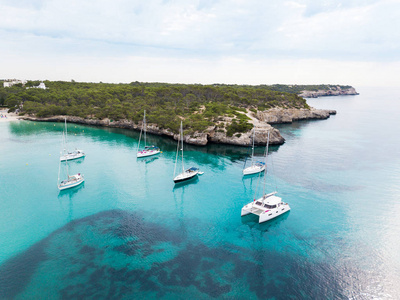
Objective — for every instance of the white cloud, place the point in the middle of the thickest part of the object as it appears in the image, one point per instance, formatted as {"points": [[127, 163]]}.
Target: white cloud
{"points": [[203, 33]]}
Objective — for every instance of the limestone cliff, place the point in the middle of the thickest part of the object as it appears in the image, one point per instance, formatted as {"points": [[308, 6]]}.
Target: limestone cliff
{"points": [[245, 139], [280, 115], [332, 91]]}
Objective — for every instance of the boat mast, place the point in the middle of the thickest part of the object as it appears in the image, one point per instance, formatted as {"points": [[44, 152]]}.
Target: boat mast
{"points": [[59, 166], [177, 153], [140, 135], [66, 164], [265, 170], [183, 168], [65, 127], [144, 124], [65, 138], [252, 149]]}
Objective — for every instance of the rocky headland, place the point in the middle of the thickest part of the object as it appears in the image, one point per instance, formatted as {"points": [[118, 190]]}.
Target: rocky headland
{"points": [[289, 115], [260, 120], [332, 91]]}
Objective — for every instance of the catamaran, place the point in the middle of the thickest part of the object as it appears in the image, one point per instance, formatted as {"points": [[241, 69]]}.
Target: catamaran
{"points": [[186, 174], [68, 155], [148, 150], [256, 166], [268, 206], [72, 180]]}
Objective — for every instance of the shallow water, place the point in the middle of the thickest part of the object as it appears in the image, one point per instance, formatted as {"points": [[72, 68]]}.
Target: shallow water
{"points": [[129, 232]]}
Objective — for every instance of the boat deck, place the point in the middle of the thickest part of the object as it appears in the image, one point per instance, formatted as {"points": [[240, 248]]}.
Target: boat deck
{"points": [[255, 210]]}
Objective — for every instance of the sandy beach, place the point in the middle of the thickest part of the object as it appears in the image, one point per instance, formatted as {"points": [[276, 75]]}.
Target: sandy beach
{"points": [[6, 117]]}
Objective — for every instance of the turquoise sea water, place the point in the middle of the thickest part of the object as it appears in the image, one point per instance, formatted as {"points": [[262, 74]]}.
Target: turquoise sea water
{"points": [[129, 233]]}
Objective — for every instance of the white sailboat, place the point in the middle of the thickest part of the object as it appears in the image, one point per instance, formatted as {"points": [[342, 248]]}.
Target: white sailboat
{"points": [[67, 155], [72, 180], [186, 174], [256, 166], [268, 206], [148, 150]]}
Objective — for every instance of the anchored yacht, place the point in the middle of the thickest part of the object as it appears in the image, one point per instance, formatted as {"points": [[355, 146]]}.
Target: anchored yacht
{"points": [[148, 150], [72, 155], [72, 181], [267, 207], [256, 166], [69, 155], [188, 173]]}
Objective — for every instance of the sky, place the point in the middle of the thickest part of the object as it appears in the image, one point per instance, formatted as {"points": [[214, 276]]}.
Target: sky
{"points": [[354, 42]]}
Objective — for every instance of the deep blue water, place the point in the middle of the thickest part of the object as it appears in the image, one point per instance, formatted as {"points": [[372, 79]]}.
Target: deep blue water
{"points": [[128, 233]]}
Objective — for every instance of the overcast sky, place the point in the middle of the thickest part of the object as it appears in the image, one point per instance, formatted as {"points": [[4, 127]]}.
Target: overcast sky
{"points": [[354, 42]]}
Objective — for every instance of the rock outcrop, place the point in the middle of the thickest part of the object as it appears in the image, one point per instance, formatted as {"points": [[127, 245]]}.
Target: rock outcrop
{"points": [[280, 115], [245, 139], [337, 91], [261, 122]]}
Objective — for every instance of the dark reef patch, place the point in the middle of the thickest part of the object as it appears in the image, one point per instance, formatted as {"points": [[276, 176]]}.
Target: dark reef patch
{"points": [[16, 272], [117, 254]]}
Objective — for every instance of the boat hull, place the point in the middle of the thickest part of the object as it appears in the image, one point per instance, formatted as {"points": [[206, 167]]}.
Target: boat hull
{"points": [[253, 170], [72, 156], [71, 184], [264, 214], [185, 177], [271, 215], [147, 153]]}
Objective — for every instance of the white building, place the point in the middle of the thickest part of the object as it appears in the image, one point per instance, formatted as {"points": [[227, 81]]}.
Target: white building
{"points": [[11, 82], [41, 86]]}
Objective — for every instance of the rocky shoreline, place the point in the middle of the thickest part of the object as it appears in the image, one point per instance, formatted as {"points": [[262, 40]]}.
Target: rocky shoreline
{"points": [[337, 91], [260, 120]]}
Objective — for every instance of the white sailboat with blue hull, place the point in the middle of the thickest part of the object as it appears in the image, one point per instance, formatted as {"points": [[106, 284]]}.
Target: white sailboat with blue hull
{"points": [[72, 180], [148, 150], [186, 174]]}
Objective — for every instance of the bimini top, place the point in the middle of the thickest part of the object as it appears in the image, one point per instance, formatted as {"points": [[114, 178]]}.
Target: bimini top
{"points": [[194, 169], [151, 147], [272, 200]]}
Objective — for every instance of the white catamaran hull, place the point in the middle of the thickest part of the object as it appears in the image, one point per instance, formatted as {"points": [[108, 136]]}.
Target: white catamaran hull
{"points": [[265, 214], [145, 153], [74, 181], [73, 155], [254, 169], [185, 176]]}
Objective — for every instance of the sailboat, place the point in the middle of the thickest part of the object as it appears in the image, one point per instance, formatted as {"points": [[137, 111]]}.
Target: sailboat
{"points": [[186, 174], [72, 180], [256, 166], [268, 206], [148, 150], [67, 155]]}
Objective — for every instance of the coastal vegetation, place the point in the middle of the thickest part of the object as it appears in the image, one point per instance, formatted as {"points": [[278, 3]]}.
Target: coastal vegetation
{"points": [[199, 106], [295, 88]]}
